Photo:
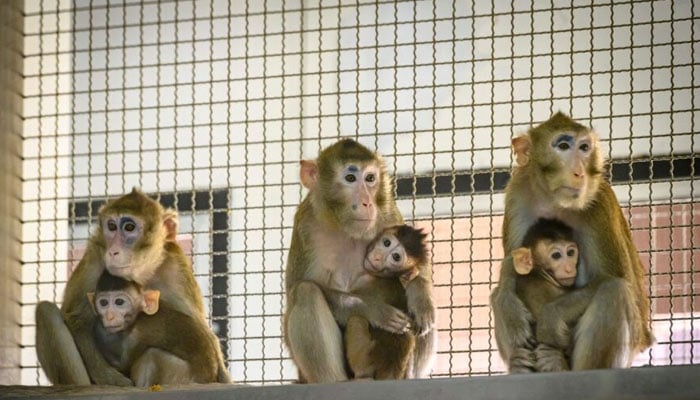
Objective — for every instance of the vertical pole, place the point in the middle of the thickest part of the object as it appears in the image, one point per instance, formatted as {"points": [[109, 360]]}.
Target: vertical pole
{"points": [[11, 63]]}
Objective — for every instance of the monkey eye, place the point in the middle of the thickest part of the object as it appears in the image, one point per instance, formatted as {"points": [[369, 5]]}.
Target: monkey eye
{"points": [[571, 252], [556, 255], [396, 257], [104, 302], [129, 226], [584, 147], [387, 242], [119, 302], [563, 146], [370, 178], [350, 178], [111, 226]]}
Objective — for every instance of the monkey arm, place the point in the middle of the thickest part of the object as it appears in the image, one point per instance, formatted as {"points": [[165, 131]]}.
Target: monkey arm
{"points": [[378, 313], [420, 304], [186, 337], [512, 319], [557, 316]]}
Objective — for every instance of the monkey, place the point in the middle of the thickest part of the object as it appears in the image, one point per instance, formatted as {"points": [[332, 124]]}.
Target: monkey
{"points": [[392, 260], [547, 265], [135, 240], [131, 320], [559, 174], [349, 201]]}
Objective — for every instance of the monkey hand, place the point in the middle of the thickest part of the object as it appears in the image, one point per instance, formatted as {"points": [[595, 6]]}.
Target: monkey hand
{"points": [[422, 311], [388, 318]]}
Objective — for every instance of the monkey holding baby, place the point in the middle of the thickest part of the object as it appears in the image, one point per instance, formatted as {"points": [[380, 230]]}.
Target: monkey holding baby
{"points": [[135, 240], [560, 175], [348, 204]]}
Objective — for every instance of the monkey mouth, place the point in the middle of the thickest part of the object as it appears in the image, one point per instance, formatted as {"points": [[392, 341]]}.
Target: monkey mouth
{"points": [[113, 328], [567, 281], [369, 267], [118, 269], [571, 191]]}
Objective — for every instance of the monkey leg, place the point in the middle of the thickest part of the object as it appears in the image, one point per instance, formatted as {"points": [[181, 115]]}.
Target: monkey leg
{"points": [[605, 334], [56, 349], [314, 338], [423, 356], [158, 367], [392, 354], [358, 346]]}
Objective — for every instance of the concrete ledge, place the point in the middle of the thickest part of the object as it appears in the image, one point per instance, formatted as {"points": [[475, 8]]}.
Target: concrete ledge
{"points": [[667, 383]]}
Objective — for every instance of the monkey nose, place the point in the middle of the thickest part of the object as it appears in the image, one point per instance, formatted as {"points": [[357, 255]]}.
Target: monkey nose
{"points": [[113, 253]]}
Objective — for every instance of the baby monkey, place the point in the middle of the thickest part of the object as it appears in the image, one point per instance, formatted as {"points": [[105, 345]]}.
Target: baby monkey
{"points": [[547, 266], [132, 323], [393, 259]]}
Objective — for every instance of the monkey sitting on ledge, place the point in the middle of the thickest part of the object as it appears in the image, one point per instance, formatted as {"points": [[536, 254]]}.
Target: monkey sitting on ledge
{"points": [[131, 323], [349, 202], [546, 264], [560, 174], [394, 258], [136, 240]]}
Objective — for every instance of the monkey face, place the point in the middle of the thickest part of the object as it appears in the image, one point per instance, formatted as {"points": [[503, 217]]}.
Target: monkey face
{"points": [[355, 191], [116, 309], [386, 257], [559, 258], [573, 152], [122, 233]]}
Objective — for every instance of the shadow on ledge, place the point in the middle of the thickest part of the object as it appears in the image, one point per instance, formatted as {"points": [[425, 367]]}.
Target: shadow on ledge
{"points": [[667, 383]]}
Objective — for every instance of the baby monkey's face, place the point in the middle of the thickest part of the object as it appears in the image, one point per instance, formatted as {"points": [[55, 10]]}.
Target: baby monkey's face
{"points": [[386, 257]]}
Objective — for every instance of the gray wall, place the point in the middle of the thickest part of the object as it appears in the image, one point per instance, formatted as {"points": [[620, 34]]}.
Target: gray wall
{"points": [[11, 41]]}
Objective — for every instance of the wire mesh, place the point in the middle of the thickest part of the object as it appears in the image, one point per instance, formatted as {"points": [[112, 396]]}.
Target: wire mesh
{"points": [[210, 105]]}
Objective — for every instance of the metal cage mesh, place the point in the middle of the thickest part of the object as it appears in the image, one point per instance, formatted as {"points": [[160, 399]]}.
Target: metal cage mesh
{"points": [[210, 105]]}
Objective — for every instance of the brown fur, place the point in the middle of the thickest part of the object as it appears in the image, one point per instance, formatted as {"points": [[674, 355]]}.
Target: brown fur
{"points": [[172, 275], [615, 326], [376, 353], [192, 342], [325, 256], [538, 288]]}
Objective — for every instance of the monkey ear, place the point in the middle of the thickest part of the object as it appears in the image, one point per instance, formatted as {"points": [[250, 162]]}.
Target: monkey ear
{"points": [[170, 224], [150, 301], [521, 146], [309, 173], [91, 299], [522, 260]]}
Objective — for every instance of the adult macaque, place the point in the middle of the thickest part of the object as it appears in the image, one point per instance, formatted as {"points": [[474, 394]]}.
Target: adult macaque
{"points": [[559, 175], [547, 267], [131, 320], [349, 202], [393, 259], [135, 240]]}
